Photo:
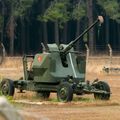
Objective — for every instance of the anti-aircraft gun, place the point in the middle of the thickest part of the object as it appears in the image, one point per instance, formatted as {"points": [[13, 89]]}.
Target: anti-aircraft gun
{"points": [[58, 69]]}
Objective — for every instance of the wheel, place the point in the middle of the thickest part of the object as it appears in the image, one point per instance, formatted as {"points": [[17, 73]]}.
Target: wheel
{"points": [[105, 87], [7, 87], [65, 92], [43, 94]]}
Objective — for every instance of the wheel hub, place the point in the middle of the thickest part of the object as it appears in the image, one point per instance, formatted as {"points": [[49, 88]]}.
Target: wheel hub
{"points": [[5, 89], [63, 93]]}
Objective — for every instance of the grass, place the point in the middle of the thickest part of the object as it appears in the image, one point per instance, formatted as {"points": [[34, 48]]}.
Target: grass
{"points": [[53, 100]]}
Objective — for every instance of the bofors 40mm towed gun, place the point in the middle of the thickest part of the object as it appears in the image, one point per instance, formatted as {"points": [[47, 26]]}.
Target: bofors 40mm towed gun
{"points": [[59, 69]]}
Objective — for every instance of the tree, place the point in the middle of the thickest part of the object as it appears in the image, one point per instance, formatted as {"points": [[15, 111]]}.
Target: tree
{"points": [[79, 11], [18, 8], [45, 37], [57, 13], [90, 21], [111, 10], [2, 19], [1, 26]]}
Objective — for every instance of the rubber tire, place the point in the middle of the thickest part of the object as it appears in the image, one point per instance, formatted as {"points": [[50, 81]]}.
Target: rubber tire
{"points": [[102, 86], [67, 90], [7, 83], [43, 94]]}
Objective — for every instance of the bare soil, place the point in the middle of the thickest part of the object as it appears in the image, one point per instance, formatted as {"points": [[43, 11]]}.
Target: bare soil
{"points": [[71, 112], [81, 108]]}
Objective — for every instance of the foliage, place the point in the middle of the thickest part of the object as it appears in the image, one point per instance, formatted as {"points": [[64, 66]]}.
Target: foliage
{"points": [[24, 5], [57, 11], [111, 8], [79, 10], [19, 7]]}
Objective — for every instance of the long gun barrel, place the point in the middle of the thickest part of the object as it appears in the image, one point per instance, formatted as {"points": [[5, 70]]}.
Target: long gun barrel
{"points": [[71, 44]]}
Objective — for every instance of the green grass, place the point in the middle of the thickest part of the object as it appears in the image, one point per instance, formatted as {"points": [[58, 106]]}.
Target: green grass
{"points": [[53, 100]]}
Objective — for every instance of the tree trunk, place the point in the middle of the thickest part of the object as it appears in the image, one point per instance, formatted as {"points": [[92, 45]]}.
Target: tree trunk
{"points": [[114, 35], [28, 37], [22, 36], [65, 33], [3, 14], [11, 34], [107, 29], [45, 37], [90, 21], [56, 33], [77, 34], [118, 30]]}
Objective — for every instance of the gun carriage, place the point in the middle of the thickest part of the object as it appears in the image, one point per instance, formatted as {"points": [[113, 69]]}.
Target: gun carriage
{"points": [[58, 69]]}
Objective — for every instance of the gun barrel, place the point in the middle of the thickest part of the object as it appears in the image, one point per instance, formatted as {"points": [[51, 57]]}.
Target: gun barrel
{"points": [[70, 45]]}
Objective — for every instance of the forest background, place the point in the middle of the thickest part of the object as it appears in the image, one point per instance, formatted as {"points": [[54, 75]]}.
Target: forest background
{"points": [[24, 24]]}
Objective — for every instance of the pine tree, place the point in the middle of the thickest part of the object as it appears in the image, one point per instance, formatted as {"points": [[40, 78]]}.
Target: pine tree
{"points": [[57, 13], [111, 10], [18, 8]]}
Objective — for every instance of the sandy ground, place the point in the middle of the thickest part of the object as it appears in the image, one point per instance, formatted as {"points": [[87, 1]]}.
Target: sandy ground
{"points": [[81, 108], [71, 112]]}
